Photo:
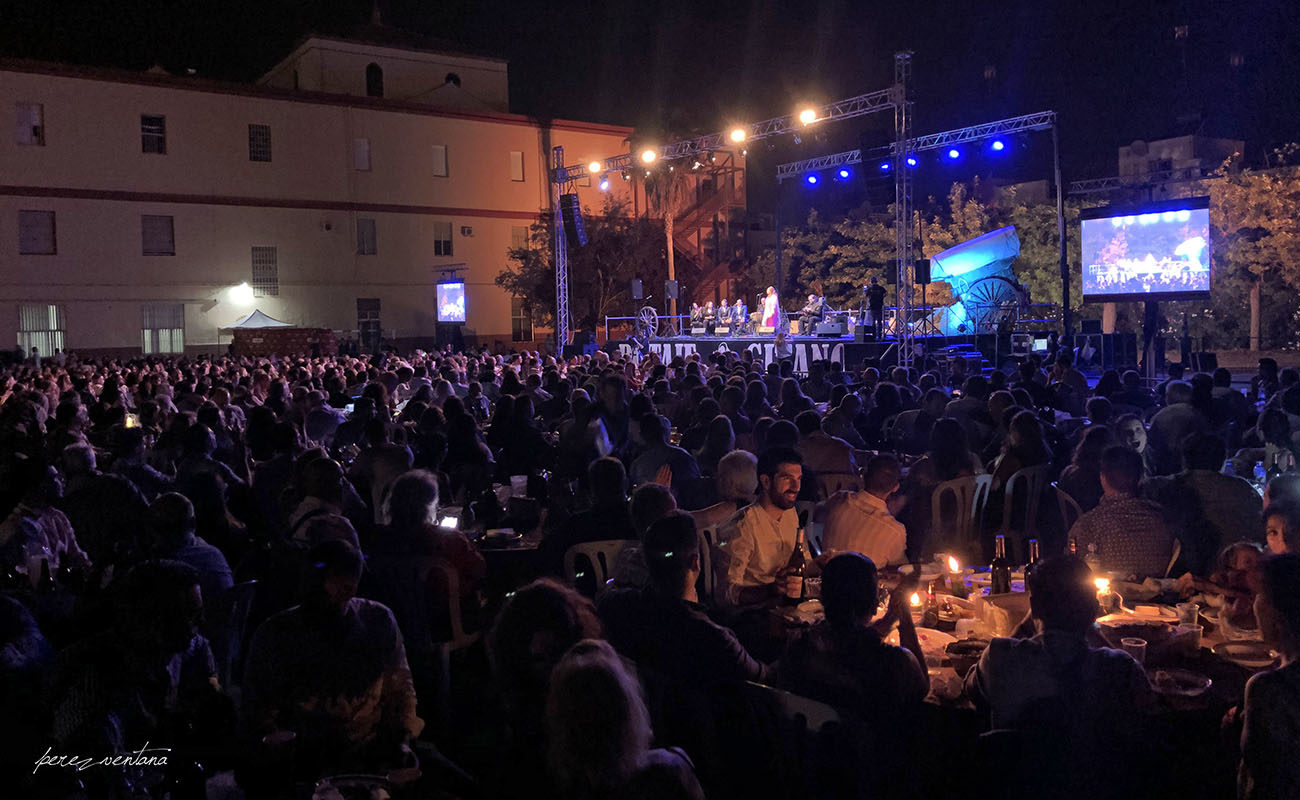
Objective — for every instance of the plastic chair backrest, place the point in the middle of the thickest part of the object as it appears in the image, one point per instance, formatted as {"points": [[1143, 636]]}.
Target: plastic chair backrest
{"points": [[600, 554], [449, 578], [1070, 508], [1029, 483], [970, 496]]}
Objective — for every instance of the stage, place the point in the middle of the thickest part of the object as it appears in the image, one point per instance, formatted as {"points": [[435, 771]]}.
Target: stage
{"points": [[987, 349]]}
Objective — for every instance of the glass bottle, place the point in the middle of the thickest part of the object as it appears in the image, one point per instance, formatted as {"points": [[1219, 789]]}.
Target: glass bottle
{"points": [[1000, 569], [1033, 560], [794, 574]]}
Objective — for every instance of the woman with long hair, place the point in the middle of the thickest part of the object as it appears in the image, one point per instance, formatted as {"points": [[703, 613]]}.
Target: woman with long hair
{"points": [[1082, 478], [720, 439], [599, 733], [1025, 446]]}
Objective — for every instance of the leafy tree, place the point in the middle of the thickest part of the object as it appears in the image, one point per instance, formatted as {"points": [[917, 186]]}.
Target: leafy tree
{"points": [[619, 248]]}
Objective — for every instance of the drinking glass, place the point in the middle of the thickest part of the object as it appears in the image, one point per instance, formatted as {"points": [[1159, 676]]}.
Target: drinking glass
{"points": [[1188, 613], [1135, 647]]}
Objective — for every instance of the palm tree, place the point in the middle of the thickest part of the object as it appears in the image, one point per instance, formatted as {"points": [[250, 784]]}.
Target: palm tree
{"points": [[672, 190]]}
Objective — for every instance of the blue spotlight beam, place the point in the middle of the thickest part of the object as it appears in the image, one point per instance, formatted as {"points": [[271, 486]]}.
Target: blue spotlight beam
{"points": [[1039, 121], [848, 108]]}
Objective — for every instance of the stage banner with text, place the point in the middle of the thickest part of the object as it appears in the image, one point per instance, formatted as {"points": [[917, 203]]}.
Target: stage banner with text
{"points": [[803, 352]]}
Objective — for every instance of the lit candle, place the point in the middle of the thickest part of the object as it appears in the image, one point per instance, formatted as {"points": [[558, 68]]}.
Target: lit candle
{"points": [[953, 566], [915, 599], [1103, 592]]}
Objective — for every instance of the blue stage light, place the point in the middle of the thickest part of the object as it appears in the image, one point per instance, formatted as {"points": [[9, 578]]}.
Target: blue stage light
{"points": [[911, 161], [604, 184], [954, 154], [884, 166], [844, 173], [998, 145], [812, 179]]}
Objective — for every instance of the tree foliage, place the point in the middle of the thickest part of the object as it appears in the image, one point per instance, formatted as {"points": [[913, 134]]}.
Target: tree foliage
{"points": [[619, 248]]}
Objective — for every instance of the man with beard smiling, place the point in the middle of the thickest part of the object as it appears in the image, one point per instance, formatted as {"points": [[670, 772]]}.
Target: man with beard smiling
{"points": [[763, 534]]}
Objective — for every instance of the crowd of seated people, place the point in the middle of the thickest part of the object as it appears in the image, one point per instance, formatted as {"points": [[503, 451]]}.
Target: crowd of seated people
{"points": [[247, 561]]}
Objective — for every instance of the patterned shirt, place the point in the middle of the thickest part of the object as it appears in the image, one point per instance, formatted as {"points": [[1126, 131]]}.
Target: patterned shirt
{"points": [[758, 547], [1130, 534]]}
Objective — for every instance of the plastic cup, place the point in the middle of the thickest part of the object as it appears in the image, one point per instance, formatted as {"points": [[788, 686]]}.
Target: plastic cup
{"points": [[1188, 613], [1135, 647], [966, 628], [1191, 634], [518, 485]]}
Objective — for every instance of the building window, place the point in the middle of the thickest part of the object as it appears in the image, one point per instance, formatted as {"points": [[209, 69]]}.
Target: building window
{"points": [[518, 237], [31, 124], [41, 325], [162, 328], [266, 273], [521, 321], [516, 165], [259, 142], [361, 154], [441, 238], [153, 134], [440, 161], [367, 245], [374, 80], [369, 331], [158, 235], [36, 233]]}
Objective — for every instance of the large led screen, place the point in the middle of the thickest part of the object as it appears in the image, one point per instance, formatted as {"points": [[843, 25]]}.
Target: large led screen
{"points": [[1156, 252], [451, 301]]}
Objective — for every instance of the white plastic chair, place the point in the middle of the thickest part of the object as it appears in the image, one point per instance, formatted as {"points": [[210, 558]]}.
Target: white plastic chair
{"points": [[1029, 482], [969, 497], [601, 555], [1070, 508]]}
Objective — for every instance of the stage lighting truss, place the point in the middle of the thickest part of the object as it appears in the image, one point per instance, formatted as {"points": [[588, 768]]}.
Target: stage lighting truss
{"points": [[1041, 120], [700, 147]]}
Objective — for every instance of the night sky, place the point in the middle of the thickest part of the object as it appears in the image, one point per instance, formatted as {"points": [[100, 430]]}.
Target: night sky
{"points": [[1116, 71]]}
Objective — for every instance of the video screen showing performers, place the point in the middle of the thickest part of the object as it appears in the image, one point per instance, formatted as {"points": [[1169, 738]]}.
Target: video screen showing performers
{"points": [[1162, 251], [451, 301]]}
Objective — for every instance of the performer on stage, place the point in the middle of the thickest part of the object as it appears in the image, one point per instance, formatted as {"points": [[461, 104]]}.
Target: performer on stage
{"points": [[810, 314], [710, 317], [724, 313], [697, 315], [740, 314], [771, 309], [874, 294]]}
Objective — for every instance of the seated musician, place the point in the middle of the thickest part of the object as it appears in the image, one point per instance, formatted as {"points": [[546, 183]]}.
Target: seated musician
{"points": [[710, 316], [740, 314], [810, 314], [724, 313], [697, 315]]}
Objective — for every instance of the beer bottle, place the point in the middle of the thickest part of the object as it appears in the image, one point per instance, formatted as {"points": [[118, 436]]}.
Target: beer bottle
{"points": [[794, 573]]}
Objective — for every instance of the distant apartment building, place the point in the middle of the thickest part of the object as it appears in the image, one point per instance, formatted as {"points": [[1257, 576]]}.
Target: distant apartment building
{"points": [[1179, 158], [138, 210]]}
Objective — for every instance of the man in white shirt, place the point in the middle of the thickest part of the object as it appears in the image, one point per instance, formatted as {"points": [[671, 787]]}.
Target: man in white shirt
{"points": [[762, 536], [860, 522]]}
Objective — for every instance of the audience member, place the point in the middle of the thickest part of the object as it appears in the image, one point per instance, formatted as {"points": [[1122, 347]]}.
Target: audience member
{"points": [[1128, 533], [861, 522]]}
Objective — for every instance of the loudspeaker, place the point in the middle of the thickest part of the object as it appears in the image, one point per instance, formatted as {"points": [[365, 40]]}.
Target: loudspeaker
{"points": [[670, 290], [864, 333], [638, 290], [1090, 326], [571, 214], [923, 271], [834, 328], [891, 272]]}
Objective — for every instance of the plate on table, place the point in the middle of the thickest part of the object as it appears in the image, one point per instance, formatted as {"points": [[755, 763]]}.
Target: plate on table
{"points": [[986, 578], [1179, 682], [1016, 586], [500, 537], [932, 642], [1116, 627], [1153, 611], [1248, 654]]}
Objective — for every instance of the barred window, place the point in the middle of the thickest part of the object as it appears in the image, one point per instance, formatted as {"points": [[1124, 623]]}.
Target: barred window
{"points": [[518, 237], [157, 235], [153, 134], [266, 273], [367, 243], [162, 328], [31, 124], [521, 321], [440, 160], [259, 142], [442, 238], [41, 325]]}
